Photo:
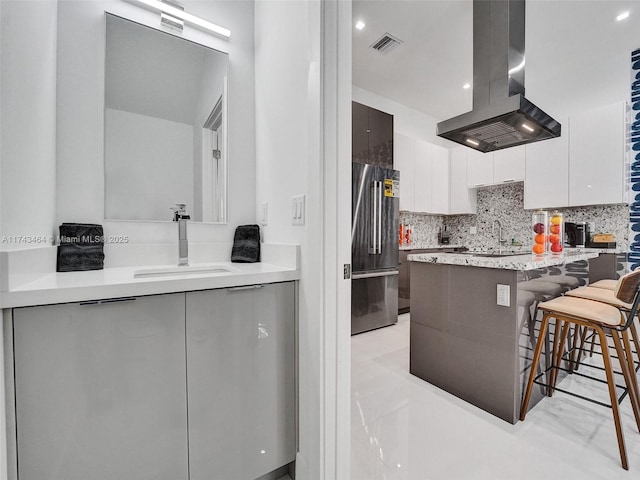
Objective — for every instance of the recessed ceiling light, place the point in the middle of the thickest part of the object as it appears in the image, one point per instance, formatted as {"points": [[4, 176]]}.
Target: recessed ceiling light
{"points": [[622, 16], [360, 24], [466, 86], [473, 142], [527, 127]]}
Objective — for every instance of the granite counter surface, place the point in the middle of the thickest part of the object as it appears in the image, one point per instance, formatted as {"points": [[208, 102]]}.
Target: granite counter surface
{"points": [[521, 261]]}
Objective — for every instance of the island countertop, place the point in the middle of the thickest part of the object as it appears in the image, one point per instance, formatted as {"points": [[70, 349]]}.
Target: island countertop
{"points": [[520, 261]]}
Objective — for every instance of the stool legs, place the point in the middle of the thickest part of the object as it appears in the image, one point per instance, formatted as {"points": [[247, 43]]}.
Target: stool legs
{"points": [[632, 381], [613, 396], [623, 357], [558, 350]]}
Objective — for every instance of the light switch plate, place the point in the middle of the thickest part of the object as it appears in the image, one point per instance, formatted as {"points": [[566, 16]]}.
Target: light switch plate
{"points": [[297, 210], [503, 295], [264, 214]]}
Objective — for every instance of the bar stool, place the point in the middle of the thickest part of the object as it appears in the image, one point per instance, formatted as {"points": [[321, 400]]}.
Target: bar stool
{"points": [[600, 317], [607, 296], [566, 282]]}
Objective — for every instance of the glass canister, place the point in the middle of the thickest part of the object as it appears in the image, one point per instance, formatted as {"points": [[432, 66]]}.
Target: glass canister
{"points": [[556, 232], [539, 222]]}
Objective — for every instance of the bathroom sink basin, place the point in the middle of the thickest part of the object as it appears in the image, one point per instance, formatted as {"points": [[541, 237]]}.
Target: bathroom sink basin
{"points": [[186, 270]]}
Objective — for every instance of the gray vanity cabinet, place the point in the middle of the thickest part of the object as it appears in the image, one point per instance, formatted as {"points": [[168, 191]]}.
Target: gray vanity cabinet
{"points": [[241, 380], [100, 390]]}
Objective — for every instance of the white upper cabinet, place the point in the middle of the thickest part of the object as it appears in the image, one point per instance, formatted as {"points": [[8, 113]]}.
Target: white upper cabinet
{"points": [[462, 199], [439, 179], [422, 177], [509, 165], [546, 182], [403, 160], [597, 156], [479, 168]]}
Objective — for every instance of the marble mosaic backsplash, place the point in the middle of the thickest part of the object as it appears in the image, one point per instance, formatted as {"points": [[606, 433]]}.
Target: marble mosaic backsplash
{"points": [[505, 203]]}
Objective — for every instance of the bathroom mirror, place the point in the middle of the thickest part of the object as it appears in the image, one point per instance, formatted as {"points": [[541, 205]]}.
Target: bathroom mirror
{"points": [[165, 126]]}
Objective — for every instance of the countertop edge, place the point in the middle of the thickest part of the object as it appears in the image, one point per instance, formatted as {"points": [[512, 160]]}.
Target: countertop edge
{"points": [[516, 262], [48, 292]]}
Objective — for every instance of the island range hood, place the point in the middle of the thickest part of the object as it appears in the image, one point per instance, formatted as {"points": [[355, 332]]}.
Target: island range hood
{"points": [[501, 117]]}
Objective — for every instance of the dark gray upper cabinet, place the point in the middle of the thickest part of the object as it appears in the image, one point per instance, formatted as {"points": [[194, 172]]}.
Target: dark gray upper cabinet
{"points": [[372, 136]]}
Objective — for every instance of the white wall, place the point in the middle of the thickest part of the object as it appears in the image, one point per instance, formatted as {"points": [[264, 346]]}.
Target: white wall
{"points": [[406, 120], [80, 120], [28, 107], [148, 165], [283, 123], [282, 71]]}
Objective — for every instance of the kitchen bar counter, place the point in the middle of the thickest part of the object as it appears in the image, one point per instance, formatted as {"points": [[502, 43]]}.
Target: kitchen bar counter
{"points": [[519, 261], [467, 344]]}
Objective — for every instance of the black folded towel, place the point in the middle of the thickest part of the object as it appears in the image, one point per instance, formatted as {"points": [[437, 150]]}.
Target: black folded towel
{"points": [[81, 234], [246, 244], [81, 247]]}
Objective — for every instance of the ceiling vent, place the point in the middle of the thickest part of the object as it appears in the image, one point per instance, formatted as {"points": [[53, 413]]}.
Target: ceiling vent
{"points": [[386, 43]]}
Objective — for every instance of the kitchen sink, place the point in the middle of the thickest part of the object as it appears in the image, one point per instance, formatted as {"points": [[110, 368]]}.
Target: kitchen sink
{"points": [[186, 270]]}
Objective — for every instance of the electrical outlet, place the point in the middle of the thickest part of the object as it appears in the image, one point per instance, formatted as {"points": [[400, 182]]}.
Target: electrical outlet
{"points": [[503, 295]]}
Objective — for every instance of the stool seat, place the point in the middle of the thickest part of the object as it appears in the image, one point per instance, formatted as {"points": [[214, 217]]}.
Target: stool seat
{"points": [[526, 298], [606, 284], [541, 287], [599, 295], [564, 280], [587, 309]]}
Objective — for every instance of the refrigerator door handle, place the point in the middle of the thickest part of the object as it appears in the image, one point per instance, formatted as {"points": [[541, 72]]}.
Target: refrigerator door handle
{"points": [[373, 245], [380, 193], [357, 276]]}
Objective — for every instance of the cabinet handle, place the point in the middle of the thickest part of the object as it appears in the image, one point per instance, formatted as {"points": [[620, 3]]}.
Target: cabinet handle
{"points": [[247, 287], [508, 181], [108, 301]]}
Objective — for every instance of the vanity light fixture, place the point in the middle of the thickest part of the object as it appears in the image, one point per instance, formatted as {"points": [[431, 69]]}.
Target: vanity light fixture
{"points": [[187, 17], [473, 142], [622, 16]]}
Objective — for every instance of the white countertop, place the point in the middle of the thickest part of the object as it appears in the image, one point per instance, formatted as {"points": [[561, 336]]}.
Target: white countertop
{"points": [[514, 262], [120, 282]]}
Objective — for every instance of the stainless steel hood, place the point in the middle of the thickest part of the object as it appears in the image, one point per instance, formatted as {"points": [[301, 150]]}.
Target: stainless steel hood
{"points": [[501, 117]]}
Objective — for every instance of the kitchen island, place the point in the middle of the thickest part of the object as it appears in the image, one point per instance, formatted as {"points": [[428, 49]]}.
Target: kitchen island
{"points": [[464, 342]]}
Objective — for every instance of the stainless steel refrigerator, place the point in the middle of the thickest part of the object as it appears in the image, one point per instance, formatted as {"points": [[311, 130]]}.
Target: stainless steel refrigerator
{"points": [[374, 247]]}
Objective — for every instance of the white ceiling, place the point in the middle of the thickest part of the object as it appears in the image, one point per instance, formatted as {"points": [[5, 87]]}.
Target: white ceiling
{"points": [[577, 55]]}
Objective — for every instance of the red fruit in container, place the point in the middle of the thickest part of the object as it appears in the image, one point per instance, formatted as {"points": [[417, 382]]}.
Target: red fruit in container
{"points": [[554, 239], [538, 227], [556, 247], [540, 238], [554, 229]]}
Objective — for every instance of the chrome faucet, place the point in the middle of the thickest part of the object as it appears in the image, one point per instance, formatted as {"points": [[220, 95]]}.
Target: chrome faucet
{"points": [[180, 216], [501, 240]]}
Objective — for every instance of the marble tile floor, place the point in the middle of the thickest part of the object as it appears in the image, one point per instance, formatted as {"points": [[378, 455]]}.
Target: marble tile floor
{"points": [[403, 428]]}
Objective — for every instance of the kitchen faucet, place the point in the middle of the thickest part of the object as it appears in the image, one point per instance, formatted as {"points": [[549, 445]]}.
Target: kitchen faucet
{"points": [[501, 240], [180, 216]]}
